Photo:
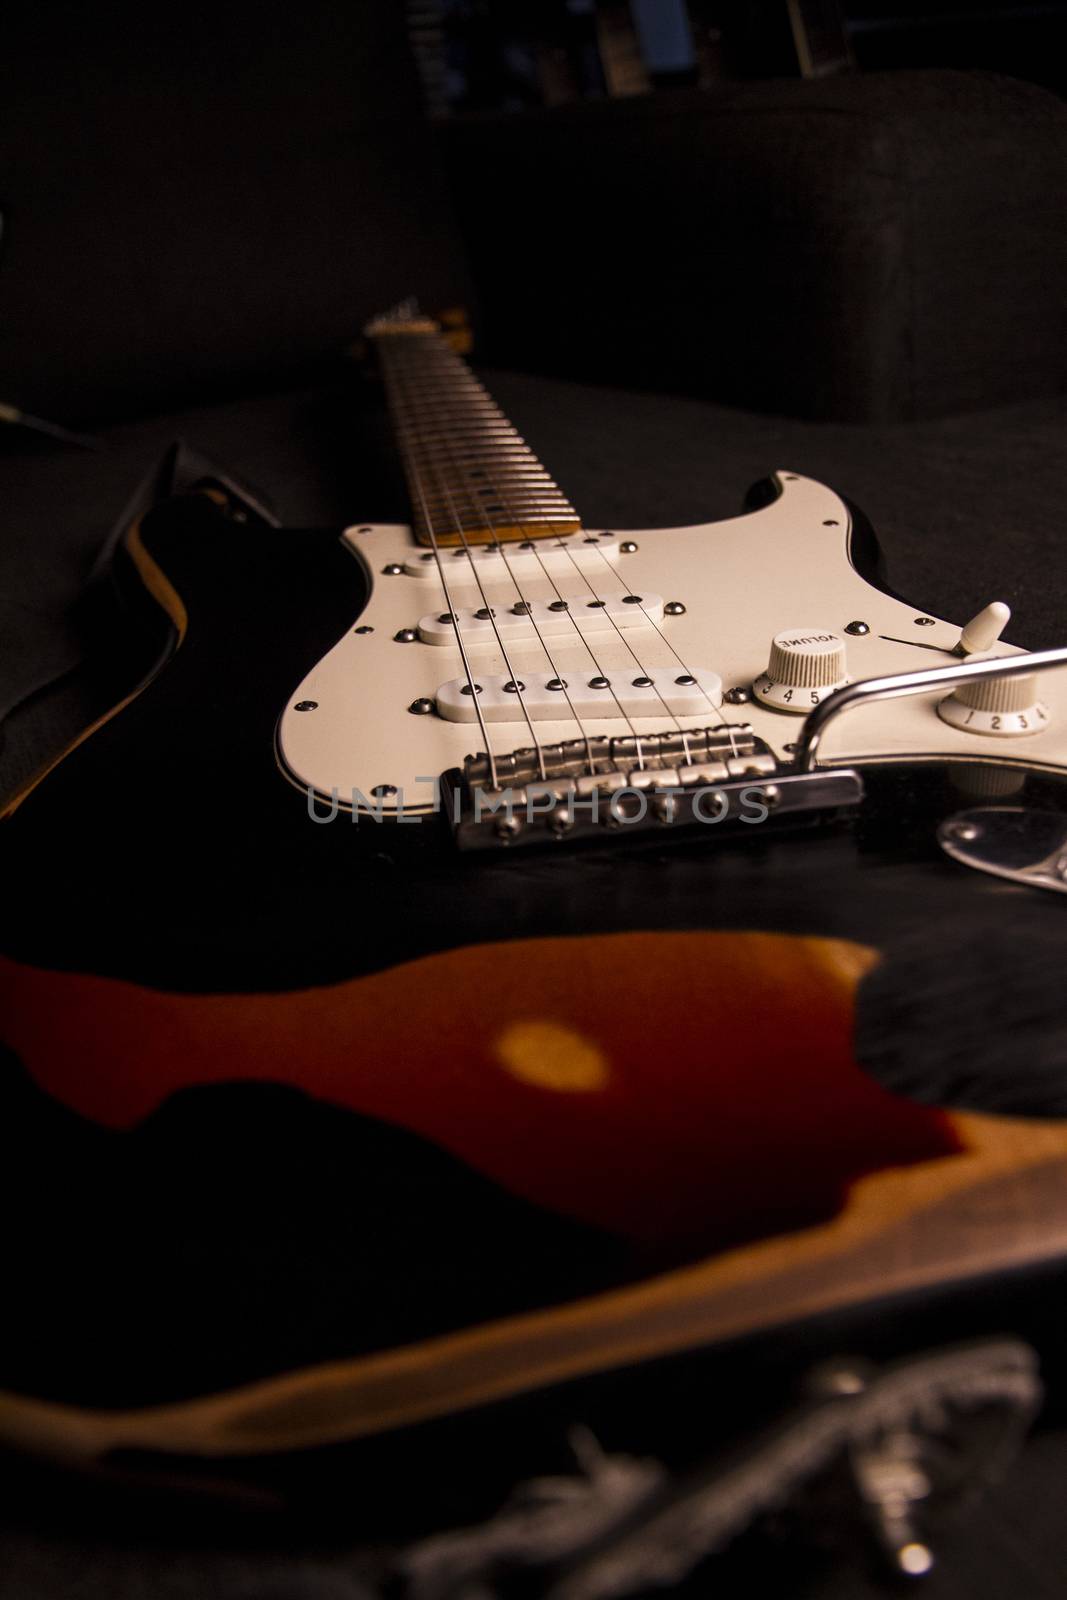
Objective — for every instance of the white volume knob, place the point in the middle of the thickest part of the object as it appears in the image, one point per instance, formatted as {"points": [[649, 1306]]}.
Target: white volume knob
{"points": [[806, 664], [1003, 707]]}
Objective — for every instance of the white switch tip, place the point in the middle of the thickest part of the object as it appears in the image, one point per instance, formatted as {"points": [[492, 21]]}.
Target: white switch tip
{"points": [[983, 631]]}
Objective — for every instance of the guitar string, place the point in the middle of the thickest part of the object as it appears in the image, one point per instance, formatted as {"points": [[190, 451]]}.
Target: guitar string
{"points": [[584, 578], [491, 617], [454, 616], [504, 495], [688, 670], [513, 676], [643, 671], [598, 550], [453, 610], [528, 605], [516, 516]]}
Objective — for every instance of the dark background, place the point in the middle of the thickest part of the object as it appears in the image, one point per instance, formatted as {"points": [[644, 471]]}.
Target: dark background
{"points": [[732, 268]]}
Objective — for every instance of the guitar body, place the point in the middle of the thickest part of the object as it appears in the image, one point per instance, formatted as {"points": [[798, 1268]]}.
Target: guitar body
{"points": [[356, 1131]]}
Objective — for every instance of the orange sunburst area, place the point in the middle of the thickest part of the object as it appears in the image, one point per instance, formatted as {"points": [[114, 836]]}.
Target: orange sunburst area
{"points": [[681, 1089]]}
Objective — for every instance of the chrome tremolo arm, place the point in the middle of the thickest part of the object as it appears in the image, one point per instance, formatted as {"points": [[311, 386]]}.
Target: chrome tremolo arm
{"points": [[901, 684]]}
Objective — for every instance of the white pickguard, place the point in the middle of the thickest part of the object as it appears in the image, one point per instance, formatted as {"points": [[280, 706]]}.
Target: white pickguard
{"points": [[741, 581]]}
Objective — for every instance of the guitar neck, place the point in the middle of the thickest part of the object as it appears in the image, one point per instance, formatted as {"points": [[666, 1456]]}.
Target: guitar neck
{"points": [[472, 478]]}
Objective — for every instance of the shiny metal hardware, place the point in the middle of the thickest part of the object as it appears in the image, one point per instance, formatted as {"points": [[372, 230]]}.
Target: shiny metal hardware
{"points": [[902, 684], [921, 1437], [582, 789], [651, 752], [1025, 846], [891, 1482]]}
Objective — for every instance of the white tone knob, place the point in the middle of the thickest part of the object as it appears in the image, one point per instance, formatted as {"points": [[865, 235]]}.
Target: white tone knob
{"points": [[983, 631], [1003, 707], [806, 664]]}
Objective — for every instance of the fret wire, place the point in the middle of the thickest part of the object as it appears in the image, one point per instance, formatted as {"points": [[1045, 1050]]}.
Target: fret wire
{"points": [[432, 375]]}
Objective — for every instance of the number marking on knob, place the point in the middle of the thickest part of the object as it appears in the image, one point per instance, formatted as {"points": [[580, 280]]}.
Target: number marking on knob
{"points": [[806, 664]]}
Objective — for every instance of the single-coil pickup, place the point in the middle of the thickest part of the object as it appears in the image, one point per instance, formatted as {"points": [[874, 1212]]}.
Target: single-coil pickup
{"points": [[622, 692], [525, 621], [531, 558]]}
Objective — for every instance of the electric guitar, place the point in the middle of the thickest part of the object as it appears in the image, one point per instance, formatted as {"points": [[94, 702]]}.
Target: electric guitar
{"points": [[498, 952]]}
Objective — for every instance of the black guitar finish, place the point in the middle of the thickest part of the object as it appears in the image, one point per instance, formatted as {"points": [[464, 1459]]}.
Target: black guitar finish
{"points": [[169, 849], [178, 802]]}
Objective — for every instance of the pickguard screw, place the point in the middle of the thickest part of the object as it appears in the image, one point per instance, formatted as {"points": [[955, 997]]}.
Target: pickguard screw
{"points": [[738, 697], [857, 627], [384, 789], [306, 705], [364, 627], [628, 547], [421, 708], [507, 828], [791, 748], [924, 622], [406, 636], [393, 569], [674, 608]]}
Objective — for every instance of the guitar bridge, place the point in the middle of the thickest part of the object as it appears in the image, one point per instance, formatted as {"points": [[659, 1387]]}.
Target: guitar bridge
{"points": [[601, 786]]}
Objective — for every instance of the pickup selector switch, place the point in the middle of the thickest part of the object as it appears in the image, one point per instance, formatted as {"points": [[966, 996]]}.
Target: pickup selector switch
{"points": [[1003, 707], [806, 664]]}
